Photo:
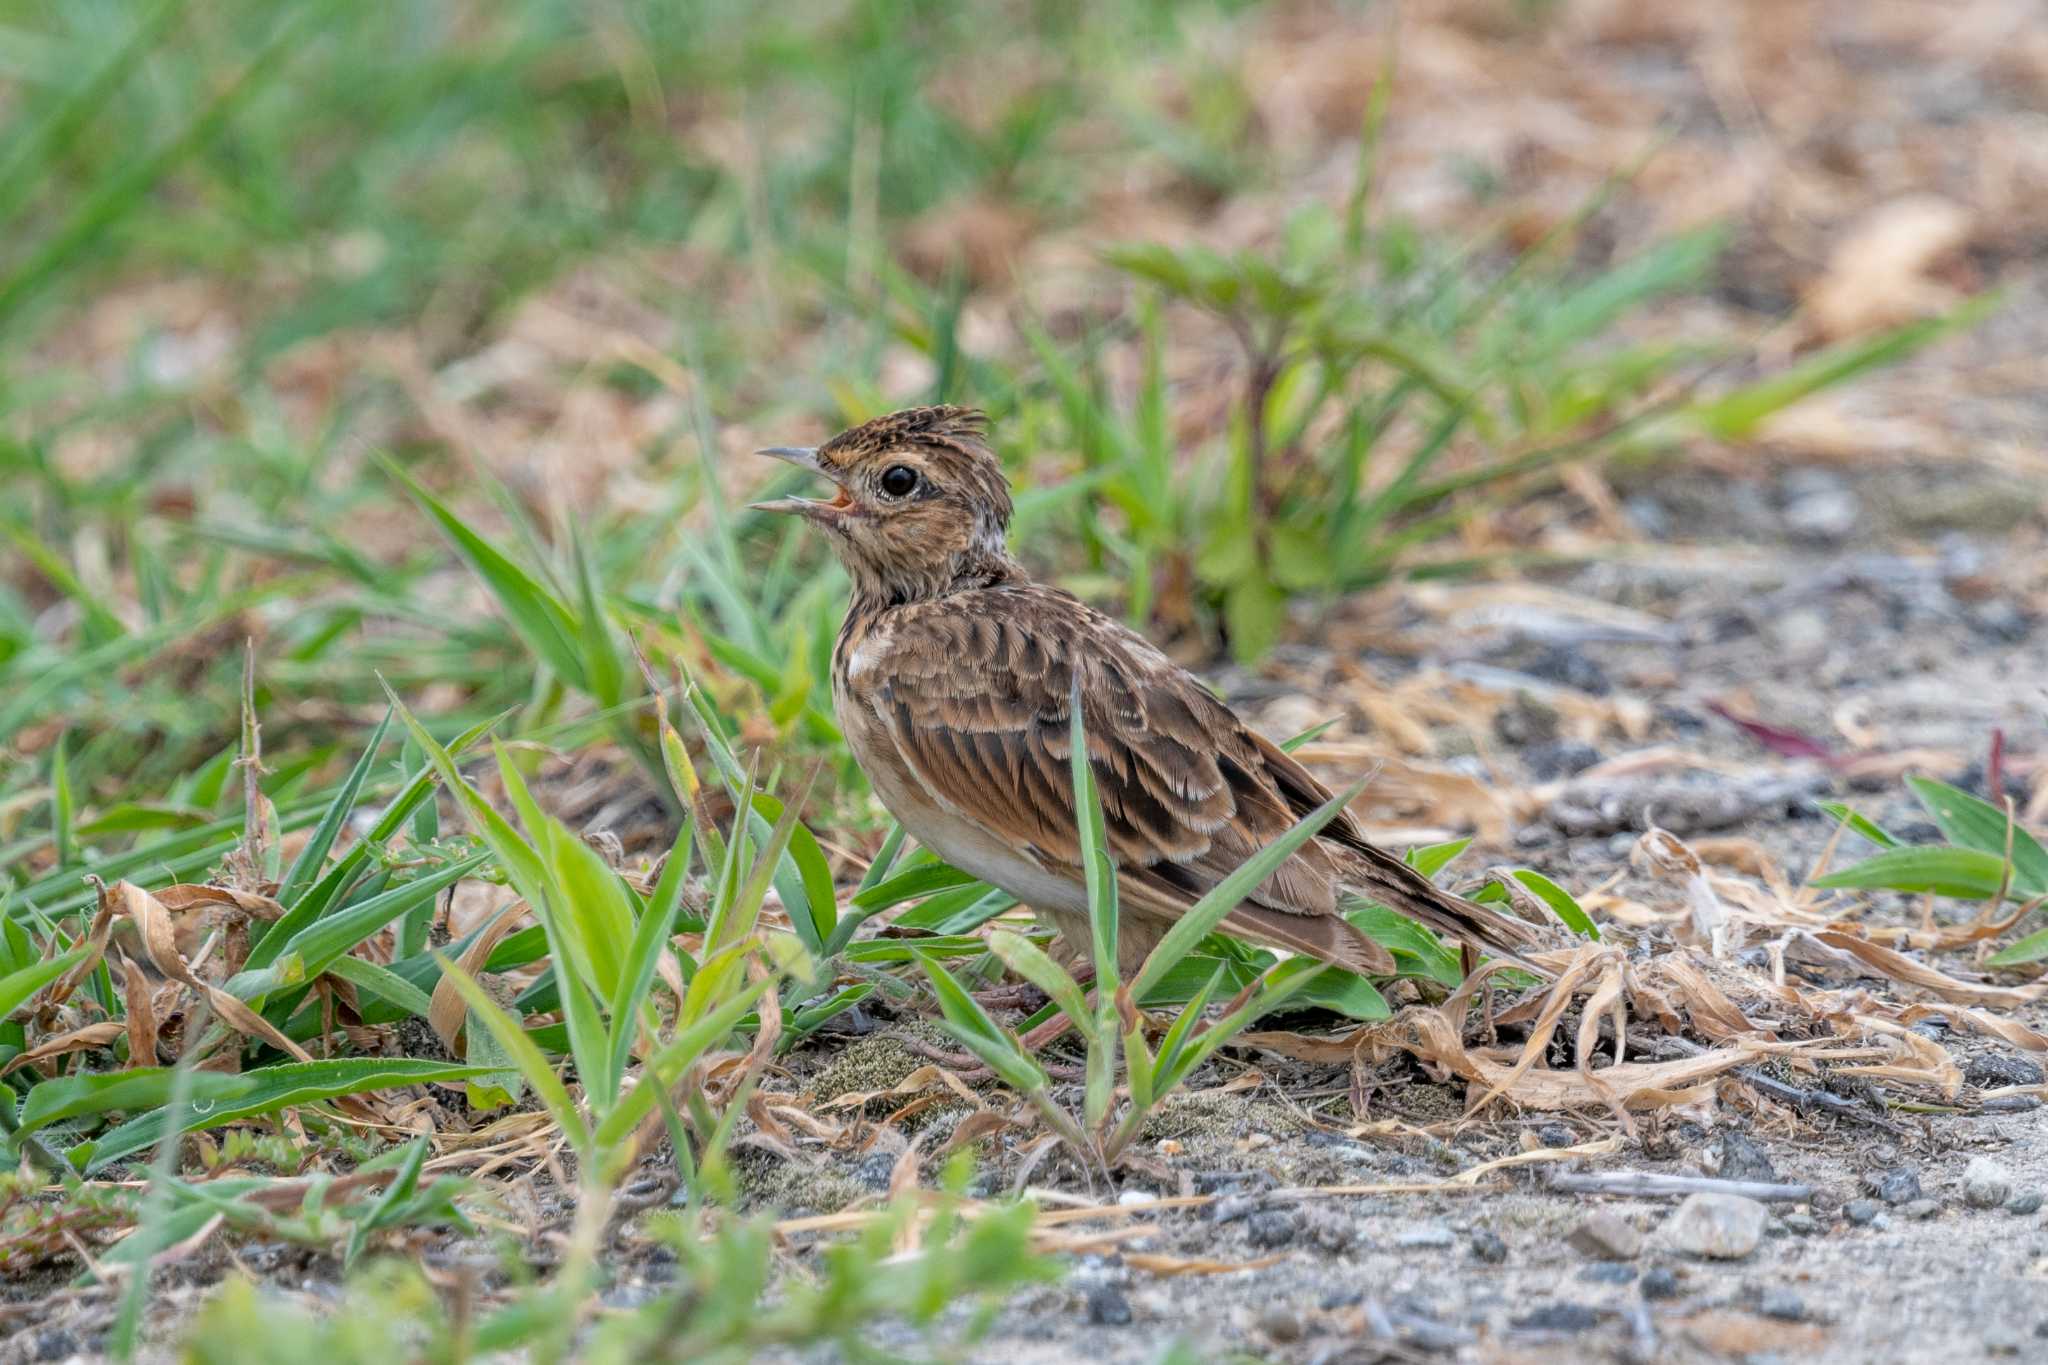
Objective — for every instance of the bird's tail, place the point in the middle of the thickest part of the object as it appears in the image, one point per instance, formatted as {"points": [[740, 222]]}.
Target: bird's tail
{"points": [[1379, 876]]}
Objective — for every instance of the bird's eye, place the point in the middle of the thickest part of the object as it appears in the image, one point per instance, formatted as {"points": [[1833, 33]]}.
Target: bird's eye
{"points": [[898, 480]]}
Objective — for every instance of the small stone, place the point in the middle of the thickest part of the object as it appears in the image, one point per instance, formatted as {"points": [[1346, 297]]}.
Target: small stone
{"points": [[1820, 508], [1990, 1070], [1608, 1272], [1428, 1236], [1559, 1317], [1107, 1306], [1605, 1236], [1801, 1224], [1557, 758], [1898, 1185], [1281, 1324], [1556, 1134], [1328, 1230], [1726, 1227], [1921, 1209], [1986, 1184], [1861, 1211], [1782, 1304], [1271, 1228], [1232, 1207], [1742, 1159], [875, 1169], [2024, 1204], [1488, 1247], [1659, 1282], [1132, 1199]]}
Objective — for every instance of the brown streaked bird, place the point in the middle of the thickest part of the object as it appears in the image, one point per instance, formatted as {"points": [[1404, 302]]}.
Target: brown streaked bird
{"points": [[952, 678]]}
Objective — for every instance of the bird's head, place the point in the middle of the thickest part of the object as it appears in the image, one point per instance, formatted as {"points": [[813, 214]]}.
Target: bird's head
{"points": [[921, 501]]}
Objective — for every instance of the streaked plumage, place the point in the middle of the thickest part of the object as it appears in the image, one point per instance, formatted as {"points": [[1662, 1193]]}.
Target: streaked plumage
{"points": [[952, 677]]}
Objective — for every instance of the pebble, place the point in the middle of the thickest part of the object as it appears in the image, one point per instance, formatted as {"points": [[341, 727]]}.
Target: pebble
{"points": [[1989, 1070], [1986, 1184], [1232, 1207], [1801, 1224], [1608, 1272], [1726, 1227], [1328, 1230], [1556, 1134], [1782, 1304], [1899, 1185], [1659, 1282], [1557, 758], [1429, 1235], [1820, 507], [1272, 1228], [2024, 1204], [1559, 1317], [1488, 1247], [1921, 1208], [875, 1169], [1605, 1236], [1132, 1199], [1107, 1306], [1569, 665], [1281, 1324], [1742, 1159], [1861, 1211]]}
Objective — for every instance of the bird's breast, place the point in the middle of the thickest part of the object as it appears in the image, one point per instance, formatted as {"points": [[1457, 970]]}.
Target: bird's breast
{"points": [[934, 823]]}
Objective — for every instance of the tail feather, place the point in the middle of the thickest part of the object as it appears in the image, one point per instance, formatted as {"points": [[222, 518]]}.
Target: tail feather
{"points": [[1379, 876], [1330, 938]]}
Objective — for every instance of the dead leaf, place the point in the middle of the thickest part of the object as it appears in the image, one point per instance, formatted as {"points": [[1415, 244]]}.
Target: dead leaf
{"points": [[1883, 271]]}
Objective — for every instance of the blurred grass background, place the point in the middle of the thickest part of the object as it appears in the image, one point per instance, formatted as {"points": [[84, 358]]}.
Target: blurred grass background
{"points": [[1267, 304]]}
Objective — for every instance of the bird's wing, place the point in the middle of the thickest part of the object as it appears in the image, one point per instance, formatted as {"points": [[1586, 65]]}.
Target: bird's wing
{"points": [[974, 690]]}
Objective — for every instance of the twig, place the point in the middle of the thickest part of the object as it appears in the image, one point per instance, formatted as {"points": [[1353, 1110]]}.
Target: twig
{"points": [[1651, 1185]]}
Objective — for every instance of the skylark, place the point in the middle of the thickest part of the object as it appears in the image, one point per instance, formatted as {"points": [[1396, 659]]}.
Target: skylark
{"points": [[952, 677]]}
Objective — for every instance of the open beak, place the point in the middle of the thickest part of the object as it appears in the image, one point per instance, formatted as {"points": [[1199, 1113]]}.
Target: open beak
{"points": [[805, 458]]}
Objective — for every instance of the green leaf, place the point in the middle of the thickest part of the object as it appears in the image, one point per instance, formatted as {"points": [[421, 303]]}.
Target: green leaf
{"points": [[1736, 415], [969, 1023], [142, 1087], [650, 939], [279, 1087], [1431, 859], [541, 620], [63, 805], [1868, 829], [320, 943], [1963, 873], [1209, 912], [1096, 870], [390, 1200], [1254, 610], [525, 1056], [1560, 901], [1971, 823], [383, 983], [667, 1066], [1035, 965], [305, 868], [18, 986], [1417, 952], [2032, 948]]}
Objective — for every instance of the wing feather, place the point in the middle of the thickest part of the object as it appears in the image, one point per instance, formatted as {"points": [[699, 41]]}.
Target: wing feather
{"points": [[974, 690]]}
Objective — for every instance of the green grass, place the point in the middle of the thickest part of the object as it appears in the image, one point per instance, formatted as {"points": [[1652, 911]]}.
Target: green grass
{"points": [[308, 315]]}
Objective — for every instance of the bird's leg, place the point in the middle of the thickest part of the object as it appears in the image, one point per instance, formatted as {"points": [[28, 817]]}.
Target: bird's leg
{"points": [[970, 1069], [1020, 996]]}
